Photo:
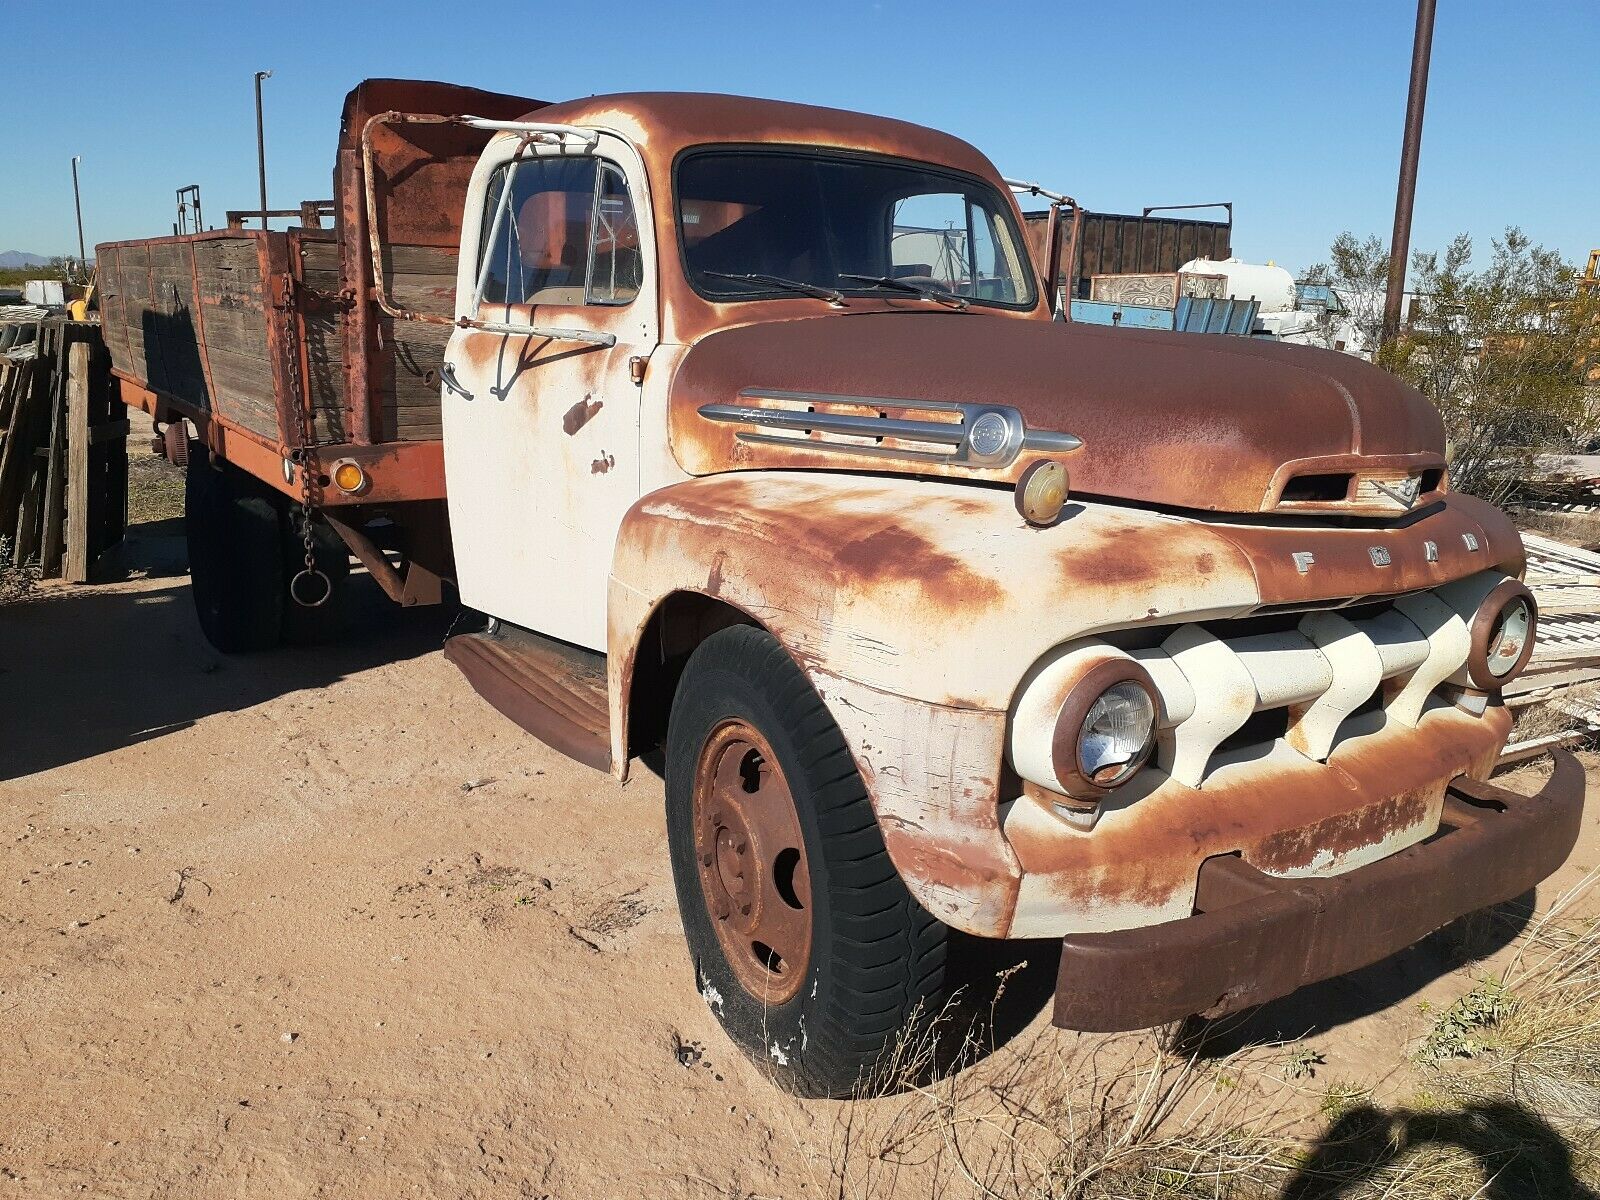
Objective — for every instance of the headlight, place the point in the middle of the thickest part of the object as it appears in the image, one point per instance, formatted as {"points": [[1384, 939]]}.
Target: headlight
{"points": [[1503, 630], [1115, 736], [1085, 721]]}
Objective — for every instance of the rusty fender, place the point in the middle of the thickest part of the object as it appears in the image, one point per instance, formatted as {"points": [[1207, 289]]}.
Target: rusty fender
{"points": [[916, 607]]}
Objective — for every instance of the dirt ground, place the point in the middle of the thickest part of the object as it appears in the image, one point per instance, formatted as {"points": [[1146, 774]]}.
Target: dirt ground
{"points": [[320, 923]]}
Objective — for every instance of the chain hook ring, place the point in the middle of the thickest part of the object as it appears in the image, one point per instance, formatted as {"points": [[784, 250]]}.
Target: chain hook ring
{"points": [[310, 573], [304, 456]]}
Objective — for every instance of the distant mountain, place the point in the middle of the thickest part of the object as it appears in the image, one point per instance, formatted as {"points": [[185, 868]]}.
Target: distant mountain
{"points": [[10, 260]]}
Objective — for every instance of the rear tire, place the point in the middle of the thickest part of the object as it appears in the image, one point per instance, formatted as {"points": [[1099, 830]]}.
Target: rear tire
{"points": [[304, 626], [236, 562], [876, 970]]}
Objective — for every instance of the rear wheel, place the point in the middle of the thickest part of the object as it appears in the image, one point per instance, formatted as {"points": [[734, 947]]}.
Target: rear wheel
{"points": [[236, 562], [245, 552], [806, 944], [308, 624]]}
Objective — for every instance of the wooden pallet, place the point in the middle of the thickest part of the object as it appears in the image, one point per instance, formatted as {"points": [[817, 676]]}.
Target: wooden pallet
{"points": [[63, 450]]}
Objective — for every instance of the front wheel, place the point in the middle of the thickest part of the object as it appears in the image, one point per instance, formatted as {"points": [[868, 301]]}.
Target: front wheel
{"points": [[806, 944]]}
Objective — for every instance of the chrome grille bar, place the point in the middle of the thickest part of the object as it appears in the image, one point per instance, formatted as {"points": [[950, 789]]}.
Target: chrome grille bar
{"points": [[986, 435]]}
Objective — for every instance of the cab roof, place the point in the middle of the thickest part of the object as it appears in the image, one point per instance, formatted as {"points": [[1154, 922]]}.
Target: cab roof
{"points": [[662, 124]]}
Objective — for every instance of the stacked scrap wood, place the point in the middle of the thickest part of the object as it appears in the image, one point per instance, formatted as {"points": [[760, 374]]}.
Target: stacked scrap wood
{"points": [[1564, 672], [63, 447]]}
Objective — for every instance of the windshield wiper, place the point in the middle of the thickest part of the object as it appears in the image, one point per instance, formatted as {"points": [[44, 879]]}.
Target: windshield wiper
{"points": [[928, 291], [831, 295]]}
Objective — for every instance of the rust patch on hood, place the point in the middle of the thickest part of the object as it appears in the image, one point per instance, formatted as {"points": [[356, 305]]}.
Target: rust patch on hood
{"points": [[1173, 419]]}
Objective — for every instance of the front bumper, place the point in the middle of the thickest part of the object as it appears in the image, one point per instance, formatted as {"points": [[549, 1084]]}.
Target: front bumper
{"points": [[1256, 937]]}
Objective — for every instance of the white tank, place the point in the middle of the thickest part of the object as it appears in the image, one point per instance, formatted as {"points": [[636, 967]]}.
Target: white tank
{"points": [[1271, 285]]}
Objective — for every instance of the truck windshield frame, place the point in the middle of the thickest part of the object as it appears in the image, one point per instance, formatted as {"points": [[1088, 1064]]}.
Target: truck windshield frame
{"points": [[798, 230]]}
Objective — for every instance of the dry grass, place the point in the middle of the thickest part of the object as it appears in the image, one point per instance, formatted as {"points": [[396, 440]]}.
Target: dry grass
{"points": [[1580, 529], [1550, 718], [15, 582], [1506, 1107], [1509, 1102], [1074, 1117], [155, 489]]}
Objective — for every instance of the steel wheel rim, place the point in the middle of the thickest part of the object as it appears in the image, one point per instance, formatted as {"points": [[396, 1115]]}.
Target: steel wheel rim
{"points": [[751, 857]]}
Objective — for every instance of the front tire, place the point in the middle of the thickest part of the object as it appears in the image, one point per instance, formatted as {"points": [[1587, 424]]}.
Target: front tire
{"points": [[806, 944]]}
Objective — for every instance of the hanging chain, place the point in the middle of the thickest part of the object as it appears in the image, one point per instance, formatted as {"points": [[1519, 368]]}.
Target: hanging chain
{"points": [[305, 455]]}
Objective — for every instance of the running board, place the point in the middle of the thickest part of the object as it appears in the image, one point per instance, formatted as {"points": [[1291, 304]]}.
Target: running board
{"points": [[554, 690]]}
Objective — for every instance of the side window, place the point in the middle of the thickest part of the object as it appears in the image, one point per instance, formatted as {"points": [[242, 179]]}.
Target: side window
{"points": [[559, 231]]}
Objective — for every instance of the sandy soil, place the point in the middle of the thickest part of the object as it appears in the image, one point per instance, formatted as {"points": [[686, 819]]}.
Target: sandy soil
{"points": [[320, 923]]}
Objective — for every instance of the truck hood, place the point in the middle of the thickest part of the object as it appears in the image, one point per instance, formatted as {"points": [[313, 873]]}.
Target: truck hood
{"points": [[1198, 421]]}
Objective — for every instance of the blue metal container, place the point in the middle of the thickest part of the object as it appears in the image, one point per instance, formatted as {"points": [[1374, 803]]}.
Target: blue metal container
{"points": [[1204, 314], [1131, 316]]}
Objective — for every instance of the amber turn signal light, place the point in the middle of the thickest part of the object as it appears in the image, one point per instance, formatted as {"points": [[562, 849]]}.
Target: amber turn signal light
{"points": [[1042, 492], [349, 478]]}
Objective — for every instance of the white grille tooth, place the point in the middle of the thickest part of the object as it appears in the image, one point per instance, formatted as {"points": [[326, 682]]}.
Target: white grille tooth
{"points": [[1357, 671], [1176, 696], [1448, 645], [1287, 668], [1224, 699], [1401, 645]]}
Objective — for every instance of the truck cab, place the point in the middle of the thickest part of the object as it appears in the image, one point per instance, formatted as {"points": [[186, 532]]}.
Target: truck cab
{"points": [[766, 464]]}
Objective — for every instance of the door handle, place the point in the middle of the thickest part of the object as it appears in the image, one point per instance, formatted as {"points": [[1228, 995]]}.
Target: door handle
{"points": [[447, 376]]}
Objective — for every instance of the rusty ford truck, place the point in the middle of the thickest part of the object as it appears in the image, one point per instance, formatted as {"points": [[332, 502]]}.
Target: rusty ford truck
{"points": [[768, 466]]}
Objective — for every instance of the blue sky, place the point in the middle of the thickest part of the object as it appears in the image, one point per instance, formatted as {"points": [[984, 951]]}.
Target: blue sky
{"points": [[1292, 110]]}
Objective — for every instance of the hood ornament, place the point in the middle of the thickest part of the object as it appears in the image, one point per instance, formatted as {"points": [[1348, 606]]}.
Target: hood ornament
{"points": [[1404, 492]]}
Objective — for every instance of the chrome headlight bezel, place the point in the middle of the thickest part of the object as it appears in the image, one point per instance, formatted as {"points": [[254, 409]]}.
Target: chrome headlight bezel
{"points": [[1078, 777], [1508, 606]]}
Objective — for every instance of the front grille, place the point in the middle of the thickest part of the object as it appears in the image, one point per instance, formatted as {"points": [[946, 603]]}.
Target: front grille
{"points": [[1227, 684]]}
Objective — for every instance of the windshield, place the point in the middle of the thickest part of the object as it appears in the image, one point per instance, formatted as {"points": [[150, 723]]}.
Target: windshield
{"points": [[756, 224]]}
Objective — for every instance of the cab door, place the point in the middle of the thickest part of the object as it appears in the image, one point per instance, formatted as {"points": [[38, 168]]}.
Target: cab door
{"points": [[541, 407]]}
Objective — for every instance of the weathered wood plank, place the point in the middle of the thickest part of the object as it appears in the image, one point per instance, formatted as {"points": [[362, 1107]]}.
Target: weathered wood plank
{"points": [[16, 455], [420, 260], [237, 330], [52, 520], [75, 568]]}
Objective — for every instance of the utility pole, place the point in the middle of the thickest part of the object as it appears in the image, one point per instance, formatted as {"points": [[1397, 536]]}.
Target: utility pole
{"points": [[261, 147], [77, 203], [1410, 151]]}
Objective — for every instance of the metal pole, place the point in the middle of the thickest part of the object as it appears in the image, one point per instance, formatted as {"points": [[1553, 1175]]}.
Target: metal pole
{"points": [[261, 147], [83, 262], [1410, 151]]}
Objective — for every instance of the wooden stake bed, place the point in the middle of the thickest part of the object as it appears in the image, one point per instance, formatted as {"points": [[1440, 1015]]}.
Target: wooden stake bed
{"points": [[251, 334]]}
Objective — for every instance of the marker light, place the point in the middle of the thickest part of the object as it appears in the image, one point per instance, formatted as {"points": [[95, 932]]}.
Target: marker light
{"points": [[349, 478], [1041, 492]]}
